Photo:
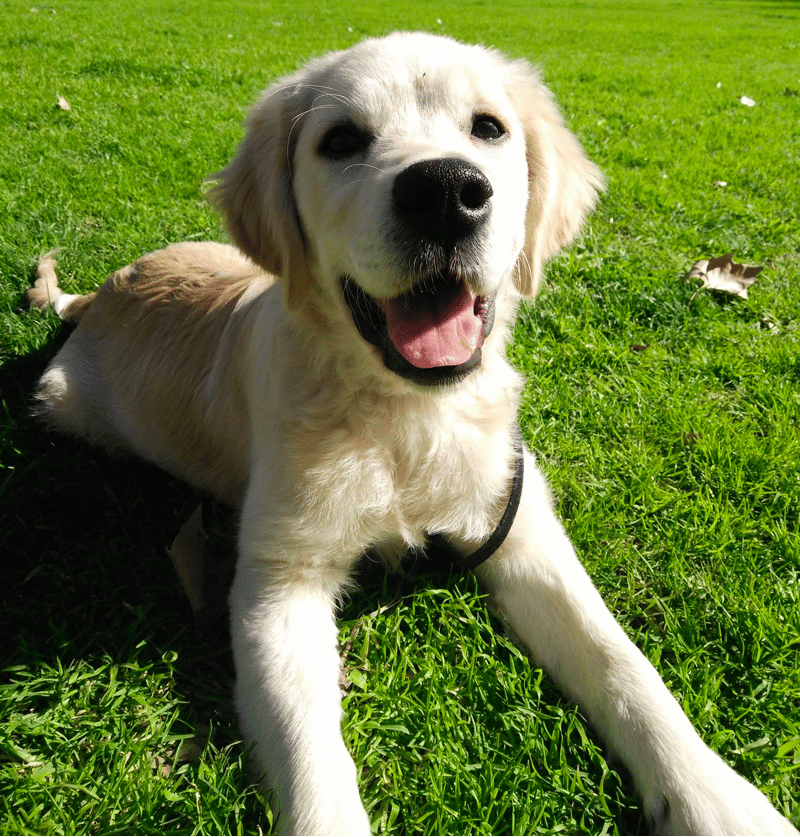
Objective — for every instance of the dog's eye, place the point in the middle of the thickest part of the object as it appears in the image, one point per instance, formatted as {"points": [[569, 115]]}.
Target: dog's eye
{"points": [[487, 128], [343, 141]]}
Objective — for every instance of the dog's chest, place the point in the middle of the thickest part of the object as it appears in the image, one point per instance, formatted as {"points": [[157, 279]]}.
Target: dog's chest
{"points": [[373, 483]]}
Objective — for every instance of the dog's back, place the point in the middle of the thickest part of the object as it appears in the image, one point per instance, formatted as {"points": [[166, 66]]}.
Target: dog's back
{"points": [[150, 367]]}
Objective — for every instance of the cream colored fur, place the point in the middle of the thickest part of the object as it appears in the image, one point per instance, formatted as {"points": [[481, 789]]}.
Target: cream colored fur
{"points": [[243, 373]]}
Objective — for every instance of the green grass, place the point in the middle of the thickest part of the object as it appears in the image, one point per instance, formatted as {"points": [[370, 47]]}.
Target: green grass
{"points": [[667, 426]]}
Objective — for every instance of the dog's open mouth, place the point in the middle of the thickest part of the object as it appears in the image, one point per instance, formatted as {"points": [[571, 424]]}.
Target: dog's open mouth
{"points": [[432, 334]]}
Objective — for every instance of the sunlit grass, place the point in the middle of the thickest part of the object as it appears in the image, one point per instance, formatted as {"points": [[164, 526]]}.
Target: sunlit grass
{"points": [[667, 425]]}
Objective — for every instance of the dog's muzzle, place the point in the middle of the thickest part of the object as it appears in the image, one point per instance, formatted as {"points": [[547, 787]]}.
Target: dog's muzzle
{"points": [[433, 333]]}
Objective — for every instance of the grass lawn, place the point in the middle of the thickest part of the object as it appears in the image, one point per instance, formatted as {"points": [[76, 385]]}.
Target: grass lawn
{"points": [[667, 424]]}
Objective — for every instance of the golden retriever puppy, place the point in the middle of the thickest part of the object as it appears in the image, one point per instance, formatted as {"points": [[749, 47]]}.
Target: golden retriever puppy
{"points": [[341, 378]]}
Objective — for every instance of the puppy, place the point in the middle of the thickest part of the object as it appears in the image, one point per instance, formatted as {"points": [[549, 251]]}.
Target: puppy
{"points": [[341, 378]]}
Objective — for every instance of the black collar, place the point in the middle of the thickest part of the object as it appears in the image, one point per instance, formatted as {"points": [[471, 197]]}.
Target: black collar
{"points": [[442, 553]]}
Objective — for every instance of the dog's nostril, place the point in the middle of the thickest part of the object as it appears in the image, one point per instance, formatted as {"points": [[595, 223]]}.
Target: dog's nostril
{"points": [[475, 193]]}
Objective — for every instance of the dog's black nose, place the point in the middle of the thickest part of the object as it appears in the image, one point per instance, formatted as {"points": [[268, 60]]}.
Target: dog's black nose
{"points": [[443, 200]]}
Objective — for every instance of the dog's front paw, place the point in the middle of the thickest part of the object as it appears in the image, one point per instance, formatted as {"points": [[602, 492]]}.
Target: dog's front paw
{"points": [[333, 818], [713, 799]]}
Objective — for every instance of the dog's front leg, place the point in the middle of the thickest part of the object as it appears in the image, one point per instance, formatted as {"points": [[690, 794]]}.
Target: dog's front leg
{"points": [[550, 603], [287, 691]]}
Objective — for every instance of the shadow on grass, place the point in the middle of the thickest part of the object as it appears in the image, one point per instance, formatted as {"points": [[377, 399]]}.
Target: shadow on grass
{"points": [[84, 536], [86, 577]]}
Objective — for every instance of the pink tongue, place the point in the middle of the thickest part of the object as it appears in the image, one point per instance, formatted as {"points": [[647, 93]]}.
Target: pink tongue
{"points": [[434, 330]]}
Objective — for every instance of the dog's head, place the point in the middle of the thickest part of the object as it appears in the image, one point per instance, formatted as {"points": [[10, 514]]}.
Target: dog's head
{"points": [[403, 183]]}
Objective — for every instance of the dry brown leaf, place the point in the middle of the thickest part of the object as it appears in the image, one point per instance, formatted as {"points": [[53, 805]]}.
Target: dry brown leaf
{"points": [[161, 766], [188, 554], [63, 103], [191, 749], [724, 274]]}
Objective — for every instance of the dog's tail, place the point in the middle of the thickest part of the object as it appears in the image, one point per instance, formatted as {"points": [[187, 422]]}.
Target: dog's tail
{"points": [[46, 292]]}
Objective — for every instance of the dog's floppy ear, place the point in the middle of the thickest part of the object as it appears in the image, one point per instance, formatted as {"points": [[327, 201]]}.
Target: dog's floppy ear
{"points": [[254, 192], [563, 184]]}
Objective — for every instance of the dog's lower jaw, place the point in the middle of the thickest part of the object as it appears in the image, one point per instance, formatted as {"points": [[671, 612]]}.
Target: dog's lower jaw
{"points": [[437, 376]]}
